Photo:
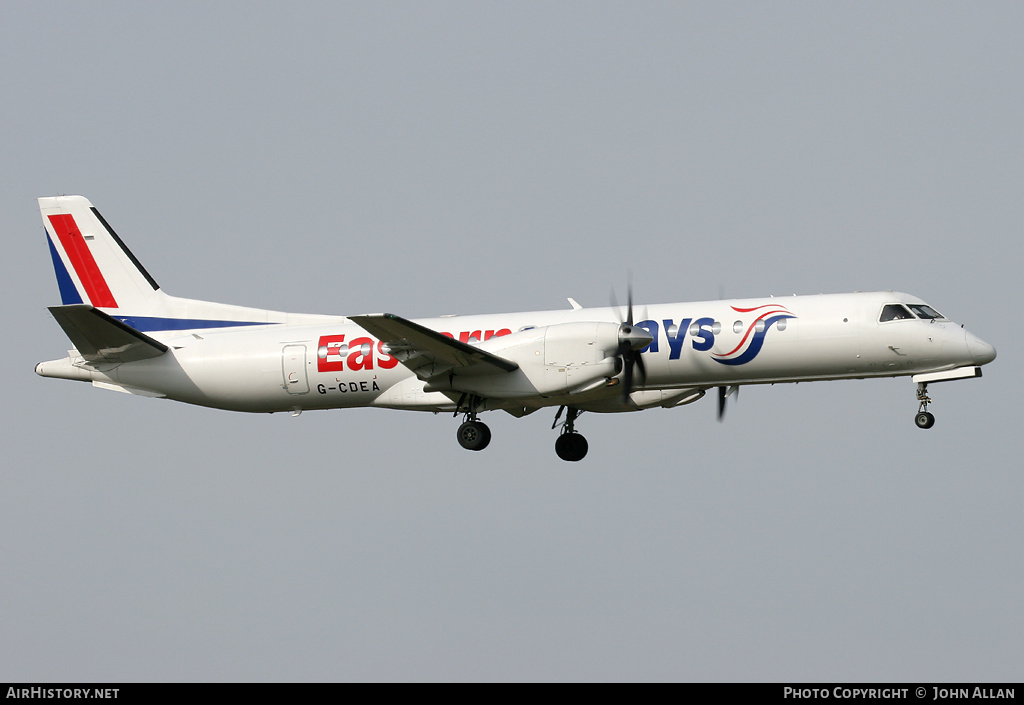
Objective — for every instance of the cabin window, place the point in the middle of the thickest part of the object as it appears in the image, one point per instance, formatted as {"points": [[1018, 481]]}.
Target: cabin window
{"points": [[924, 311], [781, 325], [737, 327], [895, 312]]}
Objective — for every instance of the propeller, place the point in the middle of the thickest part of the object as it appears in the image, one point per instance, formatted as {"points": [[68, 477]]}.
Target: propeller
{"points": [[724, 392], [632, 339]]}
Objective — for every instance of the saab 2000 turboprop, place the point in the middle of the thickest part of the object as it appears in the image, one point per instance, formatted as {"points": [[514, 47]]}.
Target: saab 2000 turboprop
{"points": [[130, 336]]}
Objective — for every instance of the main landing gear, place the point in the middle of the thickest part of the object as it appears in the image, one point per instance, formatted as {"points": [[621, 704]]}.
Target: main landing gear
{"points": [[924, 418], [570, 446], [475, 435], [472, 434]]}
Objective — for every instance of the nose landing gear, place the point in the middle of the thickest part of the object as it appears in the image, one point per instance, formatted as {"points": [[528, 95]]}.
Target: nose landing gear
{"points": [[924, 418]]}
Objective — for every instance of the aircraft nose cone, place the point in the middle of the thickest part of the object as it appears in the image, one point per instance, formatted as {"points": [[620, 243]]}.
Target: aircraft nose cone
{"points": [[981, 351]]}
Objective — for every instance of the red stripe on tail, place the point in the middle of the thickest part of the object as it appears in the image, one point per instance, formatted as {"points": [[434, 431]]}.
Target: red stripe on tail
{"points": [[82, 260]]}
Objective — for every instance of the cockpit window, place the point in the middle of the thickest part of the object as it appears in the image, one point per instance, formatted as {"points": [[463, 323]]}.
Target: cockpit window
{"points": [[924, 311], [894, 312]]}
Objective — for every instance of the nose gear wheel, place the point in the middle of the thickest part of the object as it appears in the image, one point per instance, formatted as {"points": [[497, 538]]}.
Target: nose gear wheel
{"points": [[923, 418]]}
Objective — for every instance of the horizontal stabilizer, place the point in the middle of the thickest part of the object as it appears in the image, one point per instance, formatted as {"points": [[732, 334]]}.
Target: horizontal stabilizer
{"points": [[98, 337], [427, 352]]}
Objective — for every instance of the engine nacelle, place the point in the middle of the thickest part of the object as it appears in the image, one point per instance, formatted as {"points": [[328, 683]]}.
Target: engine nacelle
{"points": [[646, 399], [565, 358]]}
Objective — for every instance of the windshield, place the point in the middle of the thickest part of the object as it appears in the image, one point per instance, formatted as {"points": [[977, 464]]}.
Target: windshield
{"points": [[895, 312], [924, 311]]}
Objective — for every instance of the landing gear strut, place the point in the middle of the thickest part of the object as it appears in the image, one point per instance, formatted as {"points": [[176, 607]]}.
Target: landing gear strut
{"points": [[924, 418], [472, 434], [570, 446]]}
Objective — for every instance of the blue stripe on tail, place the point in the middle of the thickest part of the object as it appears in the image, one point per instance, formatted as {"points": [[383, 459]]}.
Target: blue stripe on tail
{"points": [[68, 292], [147, 324]]}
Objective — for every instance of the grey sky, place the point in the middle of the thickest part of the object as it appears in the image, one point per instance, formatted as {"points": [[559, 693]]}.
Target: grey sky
{"points": [[429, 158]]}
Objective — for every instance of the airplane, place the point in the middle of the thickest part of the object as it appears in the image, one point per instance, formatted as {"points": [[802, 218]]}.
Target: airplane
{"points": [[130, 336]]}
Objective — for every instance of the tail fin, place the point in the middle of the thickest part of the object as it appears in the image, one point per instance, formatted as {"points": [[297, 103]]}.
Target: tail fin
{"points": [[95, 268], [92, 265]]}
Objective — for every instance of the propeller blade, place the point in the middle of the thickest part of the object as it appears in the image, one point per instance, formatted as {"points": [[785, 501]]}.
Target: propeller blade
{"points": [[723, 393], [640, 368], [627, 377], [631, 341]]}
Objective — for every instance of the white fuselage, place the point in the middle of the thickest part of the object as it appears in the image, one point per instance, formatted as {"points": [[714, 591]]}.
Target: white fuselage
{"points": [[336, 364]]}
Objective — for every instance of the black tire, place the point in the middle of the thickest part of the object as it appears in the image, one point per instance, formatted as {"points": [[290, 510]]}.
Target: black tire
{"points": [[474, 435], [924, 419], [571, 447]]}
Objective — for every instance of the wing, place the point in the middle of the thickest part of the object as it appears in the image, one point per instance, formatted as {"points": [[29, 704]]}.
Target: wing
{"points": [[428, 353], [98, 337]]}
